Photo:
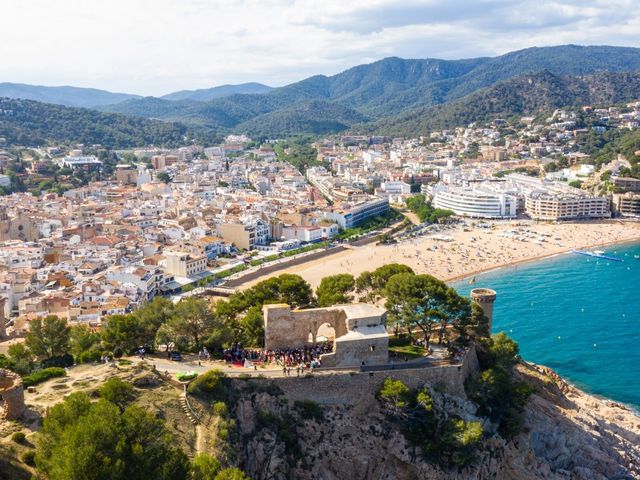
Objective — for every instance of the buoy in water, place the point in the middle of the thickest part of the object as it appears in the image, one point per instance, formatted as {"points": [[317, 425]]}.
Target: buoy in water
{"points": [[582, 310], [595, 345]]}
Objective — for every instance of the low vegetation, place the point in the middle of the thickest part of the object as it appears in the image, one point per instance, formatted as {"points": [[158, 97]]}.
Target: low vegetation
{"points": [[498, 396], [425, 211], [43, 375], [448, 441]]}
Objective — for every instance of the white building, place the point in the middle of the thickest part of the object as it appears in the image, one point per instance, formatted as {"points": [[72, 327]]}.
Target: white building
{"points": [[396, 188], [478, 202], [554, 201]]}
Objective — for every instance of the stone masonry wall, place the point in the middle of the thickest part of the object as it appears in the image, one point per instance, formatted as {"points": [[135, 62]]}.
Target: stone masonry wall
{"points": [[353, 388], [12, 393]]}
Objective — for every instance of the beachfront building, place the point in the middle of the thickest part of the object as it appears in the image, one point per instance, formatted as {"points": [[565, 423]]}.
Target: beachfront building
{"points": [[627, 204], [627, 184], [555, 201], [352, 214], [478, 202]]}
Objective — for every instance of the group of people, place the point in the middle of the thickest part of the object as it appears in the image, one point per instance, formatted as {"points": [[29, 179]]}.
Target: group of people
{"points": [[204, 354], [307, 356]]}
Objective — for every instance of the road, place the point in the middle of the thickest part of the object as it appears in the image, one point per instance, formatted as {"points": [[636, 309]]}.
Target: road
{"points": [[191, 363]]}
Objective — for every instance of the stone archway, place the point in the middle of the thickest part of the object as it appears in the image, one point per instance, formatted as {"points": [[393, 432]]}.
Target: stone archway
{"points": [[325, 332], [12, 394]]}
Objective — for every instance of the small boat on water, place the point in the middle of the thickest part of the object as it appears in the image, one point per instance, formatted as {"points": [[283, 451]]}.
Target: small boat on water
{"points": [[472, 281], [637, 257], [599, 252]]}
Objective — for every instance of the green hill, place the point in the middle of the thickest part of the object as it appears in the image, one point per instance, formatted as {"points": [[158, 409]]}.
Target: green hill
{"points": [[524, 95], [69, 96], [316, 117], [205, 94], [26, 122], [383, 89]]}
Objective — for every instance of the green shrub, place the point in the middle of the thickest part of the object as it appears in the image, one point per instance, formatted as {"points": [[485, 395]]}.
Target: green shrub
{"points": [[19, 437], [117, 391], [220, 409], [394, 393], [204, 467], [309, 410], [88, 356], [43, 375], [65, 360], [211, 383], [29, 458], [231, 474]]}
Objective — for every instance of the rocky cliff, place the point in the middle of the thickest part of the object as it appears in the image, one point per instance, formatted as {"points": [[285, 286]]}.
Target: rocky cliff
{"points": [[567, 434]]}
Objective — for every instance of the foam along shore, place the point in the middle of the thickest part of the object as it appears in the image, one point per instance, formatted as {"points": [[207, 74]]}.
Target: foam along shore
{"points": [[459, 252]]}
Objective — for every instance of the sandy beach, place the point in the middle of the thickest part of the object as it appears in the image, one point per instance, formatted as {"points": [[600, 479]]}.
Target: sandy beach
{"points": [[470, 250]]}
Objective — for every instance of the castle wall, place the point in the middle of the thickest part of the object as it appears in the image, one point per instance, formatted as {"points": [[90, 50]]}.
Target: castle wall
{"points": [[368, 351], [353, 387], [285, 328]]}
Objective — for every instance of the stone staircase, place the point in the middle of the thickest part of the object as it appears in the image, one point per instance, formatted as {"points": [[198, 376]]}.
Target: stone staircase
{"points": [[188, 411]]}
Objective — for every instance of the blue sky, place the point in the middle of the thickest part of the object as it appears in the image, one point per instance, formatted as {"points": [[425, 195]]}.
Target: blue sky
{"points": [[153, 47]]}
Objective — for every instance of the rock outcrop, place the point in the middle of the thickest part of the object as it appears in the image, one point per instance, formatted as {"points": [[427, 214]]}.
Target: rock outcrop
{"points": [[567, 435]]}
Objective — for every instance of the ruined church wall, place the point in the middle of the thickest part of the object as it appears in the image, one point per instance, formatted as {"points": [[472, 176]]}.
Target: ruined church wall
{"points": [[285, 328]]}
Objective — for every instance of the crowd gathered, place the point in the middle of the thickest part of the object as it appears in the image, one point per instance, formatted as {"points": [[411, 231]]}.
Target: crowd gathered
{"points": [[308, 356]]}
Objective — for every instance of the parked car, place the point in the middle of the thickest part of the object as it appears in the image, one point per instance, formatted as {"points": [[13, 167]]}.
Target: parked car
{"points": [[175, 356]]}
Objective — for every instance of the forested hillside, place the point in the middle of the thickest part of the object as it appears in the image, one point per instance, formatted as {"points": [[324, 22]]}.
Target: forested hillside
{"points": [[26, 122], [380, 91], [391, 96], [524, 95]]}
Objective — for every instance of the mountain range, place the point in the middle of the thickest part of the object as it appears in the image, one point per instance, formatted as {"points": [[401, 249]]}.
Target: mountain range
{"points": [[92, 97], [393, 95]]}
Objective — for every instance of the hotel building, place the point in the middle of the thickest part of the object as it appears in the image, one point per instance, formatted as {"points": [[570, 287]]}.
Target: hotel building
{"points": [[556, 201], [349, 215], [476, 203]]}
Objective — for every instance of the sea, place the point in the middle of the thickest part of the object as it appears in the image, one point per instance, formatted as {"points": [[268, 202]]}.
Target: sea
{"points": [[575, 314]]}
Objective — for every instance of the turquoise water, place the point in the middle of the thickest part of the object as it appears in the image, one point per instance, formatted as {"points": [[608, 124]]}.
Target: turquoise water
{"points": [[577, 315]]}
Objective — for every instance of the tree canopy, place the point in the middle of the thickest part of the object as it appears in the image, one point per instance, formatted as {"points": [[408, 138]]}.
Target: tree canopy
{"points": [[335, 289], [81, 439], [48, 337]]}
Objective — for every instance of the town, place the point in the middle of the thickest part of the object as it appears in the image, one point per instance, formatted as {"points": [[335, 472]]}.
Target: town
{"points": [[157, 222]]}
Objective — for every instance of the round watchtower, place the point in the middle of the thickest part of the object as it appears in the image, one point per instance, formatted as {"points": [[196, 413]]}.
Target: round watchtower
{"points": [[485, 298], [11, 394]]}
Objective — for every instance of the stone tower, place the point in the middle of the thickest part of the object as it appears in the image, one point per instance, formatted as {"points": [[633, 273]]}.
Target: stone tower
{"points": [[485, 298], [12, 395]]}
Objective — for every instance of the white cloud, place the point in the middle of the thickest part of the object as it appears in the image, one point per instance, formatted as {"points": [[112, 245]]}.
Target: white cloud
{"points": [[152, 47]]}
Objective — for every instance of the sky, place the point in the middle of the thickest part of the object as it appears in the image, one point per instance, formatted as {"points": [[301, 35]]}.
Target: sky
{"points": [[153, 47]]}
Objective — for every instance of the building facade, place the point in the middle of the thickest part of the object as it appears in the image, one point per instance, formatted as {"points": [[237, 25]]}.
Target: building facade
{"points": [[476, 203]]}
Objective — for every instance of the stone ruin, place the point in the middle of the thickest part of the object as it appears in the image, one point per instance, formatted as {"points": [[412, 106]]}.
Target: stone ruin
{"points": [[360, 332], [11, 395]]}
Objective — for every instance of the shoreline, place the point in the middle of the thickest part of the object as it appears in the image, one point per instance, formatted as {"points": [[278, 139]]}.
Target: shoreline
{"points": [[471, 251], [580, 391], [465, 276]]}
